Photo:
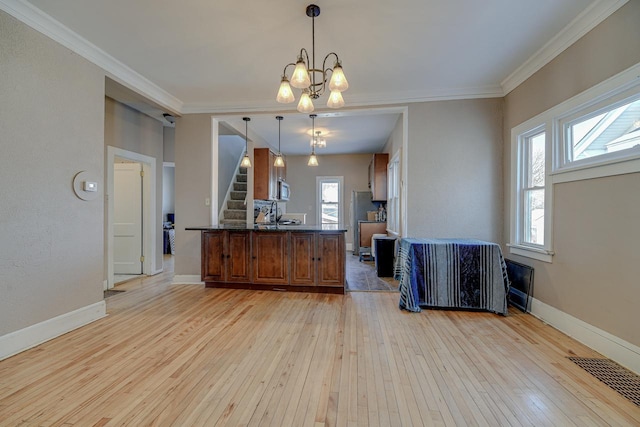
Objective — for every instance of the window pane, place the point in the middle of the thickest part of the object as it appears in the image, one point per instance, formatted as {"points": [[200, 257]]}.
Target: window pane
{"points": [[536, 160], [614, 130], [534, 217], [329, 213], [330, 192]]}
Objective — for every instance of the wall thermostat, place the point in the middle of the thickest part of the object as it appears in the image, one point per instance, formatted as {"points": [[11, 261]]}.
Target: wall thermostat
{"points": [[90, 186], [85, 185]]}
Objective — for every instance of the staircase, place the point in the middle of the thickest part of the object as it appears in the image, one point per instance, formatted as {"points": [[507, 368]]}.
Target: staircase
{"points": [[236, 211]]}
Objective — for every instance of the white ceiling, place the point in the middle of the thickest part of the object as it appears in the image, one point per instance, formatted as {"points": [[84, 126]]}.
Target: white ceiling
{"points": [[227, 56]]}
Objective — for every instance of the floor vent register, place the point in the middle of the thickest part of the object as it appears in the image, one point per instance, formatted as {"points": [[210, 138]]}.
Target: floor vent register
{"points": [[615, 376]]}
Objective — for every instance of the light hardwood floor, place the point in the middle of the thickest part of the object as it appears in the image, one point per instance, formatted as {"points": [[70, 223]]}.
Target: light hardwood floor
{"points": [[184, 355]]}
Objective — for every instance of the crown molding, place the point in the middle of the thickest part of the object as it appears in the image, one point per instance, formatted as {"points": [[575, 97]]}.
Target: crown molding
{"points": [[597, 12], [355, 101], [43, 23], [593, 15]]}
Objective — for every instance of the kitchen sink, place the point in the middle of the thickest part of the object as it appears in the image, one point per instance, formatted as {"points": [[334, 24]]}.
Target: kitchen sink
{"points": [[289, 222]]}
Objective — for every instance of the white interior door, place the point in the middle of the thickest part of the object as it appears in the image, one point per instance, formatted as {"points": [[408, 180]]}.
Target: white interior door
{"points": [[127, 218]]}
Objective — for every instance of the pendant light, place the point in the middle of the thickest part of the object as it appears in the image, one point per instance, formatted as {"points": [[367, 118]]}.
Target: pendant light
{"points": [[279, 163], [246, 161], [313, 160]]}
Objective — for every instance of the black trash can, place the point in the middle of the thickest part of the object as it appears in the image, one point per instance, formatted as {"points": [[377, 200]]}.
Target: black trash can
{"points": [[384, 251]]}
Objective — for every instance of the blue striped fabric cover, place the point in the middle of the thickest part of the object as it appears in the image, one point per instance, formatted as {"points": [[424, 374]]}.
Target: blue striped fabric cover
{"points": [[452, 273]]}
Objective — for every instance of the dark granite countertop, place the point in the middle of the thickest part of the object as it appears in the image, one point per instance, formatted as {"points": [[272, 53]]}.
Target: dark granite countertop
{"points": [[272, 227]]}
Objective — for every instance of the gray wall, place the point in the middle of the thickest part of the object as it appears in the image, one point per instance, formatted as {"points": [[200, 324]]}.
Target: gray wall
{"points": [[302, 178], [454, 186], [169, 144], [133, 131], [394, 143], [52, 122], [193, 186], [594, 273]]}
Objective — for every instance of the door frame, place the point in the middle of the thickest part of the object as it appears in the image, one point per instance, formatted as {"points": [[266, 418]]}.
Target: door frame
{"points": [[148, 210]]}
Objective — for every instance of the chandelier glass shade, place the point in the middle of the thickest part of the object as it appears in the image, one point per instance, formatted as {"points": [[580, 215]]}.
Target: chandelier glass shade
{"points": [[311, 80], [313, 160], [279, 162], [317, 141], [246, 161]]}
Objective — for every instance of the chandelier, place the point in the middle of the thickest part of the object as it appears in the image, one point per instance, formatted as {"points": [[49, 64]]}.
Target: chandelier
{"points": [[313, 81], [317, 141]]}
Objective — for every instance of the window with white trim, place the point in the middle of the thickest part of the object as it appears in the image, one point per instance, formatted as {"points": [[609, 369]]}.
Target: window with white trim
{"points": [[393, 187], [330, 201], [608, 130], [594, 134], [532, 190]]}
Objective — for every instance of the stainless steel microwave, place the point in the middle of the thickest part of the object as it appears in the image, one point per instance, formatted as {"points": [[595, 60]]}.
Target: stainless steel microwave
{"points": [[284, 192]]}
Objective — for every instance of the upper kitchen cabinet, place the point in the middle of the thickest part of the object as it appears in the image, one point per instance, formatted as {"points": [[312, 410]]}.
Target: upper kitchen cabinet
{"points": [[266, 175], [378, 177]]}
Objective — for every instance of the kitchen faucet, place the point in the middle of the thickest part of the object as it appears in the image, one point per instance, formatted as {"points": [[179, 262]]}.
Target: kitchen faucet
{"points": [[273, 218]]}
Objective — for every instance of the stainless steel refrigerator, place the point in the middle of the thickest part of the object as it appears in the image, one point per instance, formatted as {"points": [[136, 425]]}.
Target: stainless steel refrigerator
{"points": [[360, 204]]}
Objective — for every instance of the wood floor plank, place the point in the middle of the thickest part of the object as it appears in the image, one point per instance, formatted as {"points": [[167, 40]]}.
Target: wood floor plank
{"points": [[172, 354]]}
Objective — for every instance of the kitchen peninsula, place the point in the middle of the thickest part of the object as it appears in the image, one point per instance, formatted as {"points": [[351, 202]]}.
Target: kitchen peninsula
{"points": [[299, 258]]}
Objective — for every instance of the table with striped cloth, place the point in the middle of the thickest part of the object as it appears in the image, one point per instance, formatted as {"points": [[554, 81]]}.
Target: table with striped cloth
{"points": [[452, 273]]}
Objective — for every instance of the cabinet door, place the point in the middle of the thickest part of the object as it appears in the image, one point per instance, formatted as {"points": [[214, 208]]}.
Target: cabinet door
{"points": [[330, 259], [213, 256], [303, 268], [270, 257], [378, 177], [238, 256], [261, 174]]}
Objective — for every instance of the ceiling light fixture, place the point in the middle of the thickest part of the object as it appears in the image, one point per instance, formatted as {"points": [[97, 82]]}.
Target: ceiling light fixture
{"points": [[317, 141], [246, 161], [313, 81], [279, 163], [313, 160]]}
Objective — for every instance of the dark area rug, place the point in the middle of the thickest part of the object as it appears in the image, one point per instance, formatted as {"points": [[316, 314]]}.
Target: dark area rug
{"points": [[362, 277]]}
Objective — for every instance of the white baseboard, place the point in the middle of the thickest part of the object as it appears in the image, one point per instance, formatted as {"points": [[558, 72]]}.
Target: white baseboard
{"points": [[157, 271], [31, 336], [187, 279], [616, 349]]}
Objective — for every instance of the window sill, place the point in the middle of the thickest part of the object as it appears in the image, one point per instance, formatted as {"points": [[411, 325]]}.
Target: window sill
{"points": [[529, 252]]}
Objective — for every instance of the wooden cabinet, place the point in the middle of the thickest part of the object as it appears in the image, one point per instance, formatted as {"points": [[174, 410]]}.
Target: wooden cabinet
{"points": [[317, 259], [265, 175], [368, 229], [305, 260], [378, 176], [303, 256], [225, 256], [271, 258], [330, 259]]}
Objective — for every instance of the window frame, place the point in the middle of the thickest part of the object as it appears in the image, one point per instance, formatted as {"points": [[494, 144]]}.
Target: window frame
{"points": [[521, 137], [603, 96], [394, 195], [319, 203], [601, 104]]}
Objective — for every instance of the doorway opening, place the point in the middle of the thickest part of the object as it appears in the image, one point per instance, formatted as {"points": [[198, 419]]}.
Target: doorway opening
{"points": [[146, 171]]}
